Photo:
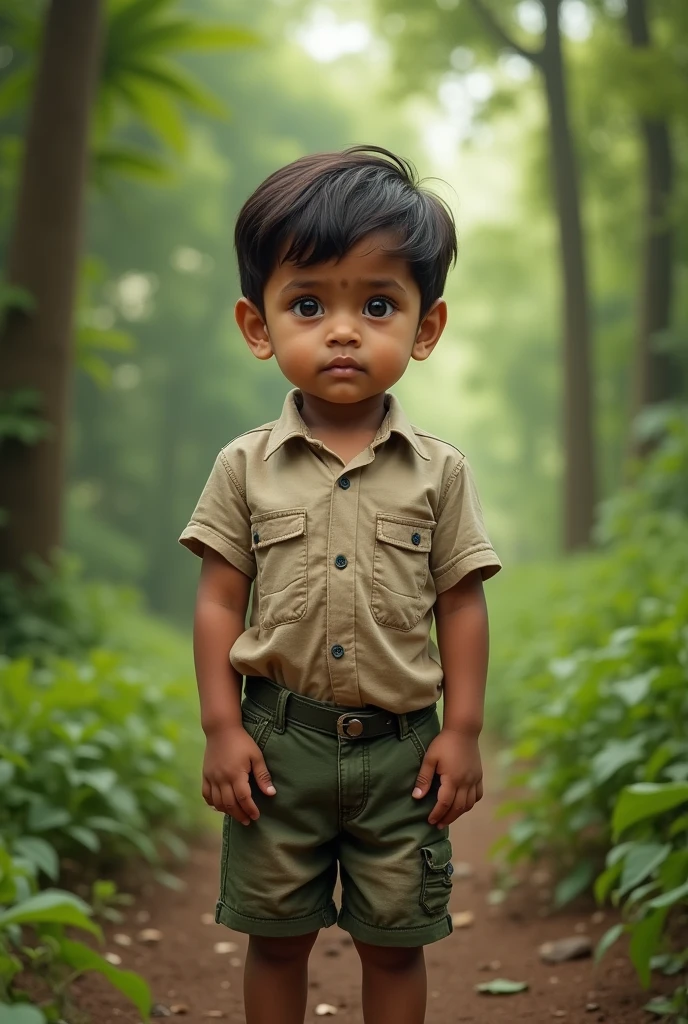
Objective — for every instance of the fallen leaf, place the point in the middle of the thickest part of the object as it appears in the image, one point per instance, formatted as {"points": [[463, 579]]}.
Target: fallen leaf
{"points": [[464, 919], [325, 1010], [566, 949], [225, 947], [121, 939], [207, 919], [113, 958], [149, 935], [501, 987]]}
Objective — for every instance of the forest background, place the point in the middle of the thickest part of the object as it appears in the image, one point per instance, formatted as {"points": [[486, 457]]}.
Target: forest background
{"points": [[556, 131]]}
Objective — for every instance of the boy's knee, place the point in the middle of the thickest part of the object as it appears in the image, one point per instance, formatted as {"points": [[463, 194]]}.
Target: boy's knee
{"points": [[282, 951], [389, 958]]}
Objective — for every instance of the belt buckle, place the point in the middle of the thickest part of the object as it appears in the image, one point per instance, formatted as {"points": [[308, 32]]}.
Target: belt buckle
{"points": [[349, 727]]}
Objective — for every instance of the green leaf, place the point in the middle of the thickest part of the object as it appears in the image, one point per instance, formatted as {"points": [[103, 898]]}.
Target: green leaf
{"points": [[21, 1014], [645, 936], [39, 853], [608, 939], [130, 984], [575, 883], [641, 861], [668, 899], [501, 987], [128, 162], [615, 755], [606, 881], [646, 800], [86, 836], [52, 906], [43, 817]]}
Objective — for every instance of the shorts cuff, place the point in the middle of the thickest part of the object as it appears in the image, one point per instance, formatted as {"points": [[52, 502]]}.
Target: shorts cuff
{"points": [[423, 935], [272, 927]]}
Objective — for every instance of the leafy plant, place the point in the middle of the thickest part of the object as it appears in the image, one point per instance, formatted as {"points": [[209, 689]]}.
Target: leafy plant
{"points": [[35, 949]]}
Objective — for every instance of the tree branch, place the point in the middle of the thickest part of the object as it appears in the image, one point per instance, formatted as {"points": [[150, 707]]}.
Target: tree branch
{"points": [[497, 30]]}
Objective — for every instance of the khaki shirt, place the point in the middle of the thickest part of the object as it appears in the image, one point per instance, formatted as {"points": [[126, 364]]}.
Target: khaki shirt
{"points": [[348, 560]]}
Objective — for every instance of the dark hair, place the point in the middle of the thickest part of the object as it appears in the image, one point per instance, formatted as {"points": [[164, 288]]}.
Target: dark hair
{"points": [[320, 206]]}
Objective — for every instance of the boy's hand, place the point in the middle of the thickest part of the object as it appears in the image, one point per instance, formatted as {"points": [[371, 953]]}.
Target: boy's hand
{"points": [[455, 757], [230, 756]]}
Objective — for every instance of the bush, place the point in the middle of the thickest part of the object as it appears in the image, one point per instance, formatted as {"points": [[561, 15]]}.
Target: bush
{"points": [[89, 756]]}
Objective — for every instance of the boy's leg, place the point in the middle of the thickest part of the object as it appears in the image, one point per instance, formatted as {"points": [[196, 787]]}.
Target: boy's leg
{"points": [[394, 984], [276, 979]]}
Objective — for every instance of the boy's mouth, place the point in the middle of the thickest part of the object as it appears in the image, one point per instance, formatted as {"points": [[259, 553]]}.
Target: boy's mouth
{"points": [[343, 366]]}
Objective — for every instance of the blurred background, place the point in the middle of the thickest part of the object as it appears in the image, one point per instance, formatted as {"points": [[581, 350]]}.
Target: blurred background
{"points": [[131, 133]]}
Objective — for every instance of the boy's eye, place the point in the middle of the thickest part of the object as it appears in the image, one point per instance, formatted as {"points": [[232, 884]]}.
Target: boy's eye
{"points": [[307, 308], [379, 308]]}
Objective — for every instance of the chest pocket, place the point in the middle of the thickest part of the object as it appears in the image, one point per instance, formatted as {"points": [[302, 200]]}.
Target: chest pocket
{"points": [[400, 570], [280, 544]]}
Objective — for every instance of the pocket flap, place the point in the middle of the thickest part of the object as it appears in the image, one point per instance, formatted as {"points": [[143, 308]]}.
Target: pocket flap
{"points": [[438, 855], [411, 534], [273, 527]]}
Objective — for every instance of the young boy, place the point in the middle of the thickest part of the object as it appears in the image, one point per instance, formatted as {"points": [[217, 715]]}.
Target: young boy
{"points": [[355, 528]]}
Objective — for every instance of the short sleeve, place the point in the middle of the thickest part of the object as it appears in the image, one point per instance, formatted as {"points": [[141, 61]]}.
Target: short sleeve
{"points": [[460, 543], [221, 520]]}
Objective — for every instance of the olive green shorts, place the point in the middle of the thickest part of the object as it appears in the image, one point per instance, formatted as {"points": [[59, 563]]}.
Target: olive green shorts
{"points": [[341, 802]]}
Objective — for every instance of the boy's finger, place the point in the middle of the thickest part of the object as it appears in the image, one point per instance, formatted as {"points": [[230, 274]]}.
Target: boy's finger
{"points": [[458, 807], [479, 791], [262, 776], [216, 797], [207, 791], [242, 792], [232, 807], [445, 799], [424, 777], [471, 798]]}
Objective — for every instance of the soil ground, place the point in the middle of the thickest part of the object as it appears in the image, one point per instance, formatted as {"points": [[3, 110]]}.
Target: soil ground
{"points": [[184, 971]]}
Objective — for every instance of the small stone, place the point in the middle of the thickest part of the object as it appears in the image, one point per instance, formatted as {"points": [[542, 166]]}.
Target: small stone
{"points": [[491, 965], [113, 958], [225, 984], [462, 870], [598, 917], [464, 919], [558, 1013], [434, 995], [179, 1009], [235, 961], [121, 939], [540, 877], [553, 980], [142, 917], [160, 1010], [565, 949], [325, 1010], [150, 936], [207, 919], [591, 1007], [580, 928], [214, 1013], [225, 947]]}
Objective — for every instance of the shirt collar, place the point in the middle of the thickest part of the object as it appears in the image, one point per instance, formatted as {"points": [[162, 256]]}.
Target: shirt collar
{"points": [[290, 424]]}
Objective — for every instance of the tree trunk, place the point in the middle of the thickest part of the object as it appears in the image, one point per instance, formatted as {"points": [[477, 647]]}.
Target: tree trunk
{"points": [[36, 347], [656, 374], [579, 483]]}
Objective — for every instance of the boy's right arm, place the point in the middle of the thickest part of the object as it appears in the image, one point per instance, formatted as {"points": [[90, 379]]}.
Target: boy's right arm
{"points": [[231, 755]]}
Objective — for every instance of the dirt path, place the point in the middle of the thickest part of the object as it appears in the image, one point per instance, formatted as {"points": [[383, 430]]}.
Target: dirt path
{"points": [[183, 967]]}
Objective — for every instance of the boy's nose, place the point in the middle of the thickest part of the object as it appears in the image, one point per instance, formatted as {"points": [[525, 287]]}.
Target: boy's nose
{"points": [[343, 333]]}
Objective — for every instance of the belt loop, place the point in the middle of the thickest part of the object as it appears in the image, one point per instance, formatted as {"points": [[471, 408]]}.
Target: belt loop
{"points": [[402, 722], [281, 710]]}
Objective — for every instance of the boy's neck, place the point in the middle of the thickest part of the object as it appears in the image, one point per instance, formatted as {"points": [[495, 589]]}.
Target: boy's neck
{"points": [[345, 428], [345, 417]]}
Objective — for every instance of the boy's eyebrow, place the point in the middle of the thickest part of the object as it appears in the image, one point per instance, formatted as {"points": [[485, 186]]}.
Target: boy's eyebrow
{"points": [[387, 283]]}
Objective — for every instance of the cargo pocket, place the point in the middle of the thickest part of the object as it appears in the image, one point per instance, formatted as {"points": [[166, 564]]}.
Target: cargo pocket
{"points": [[258, 727], [437, 872], [400, 570], [280, 545]]}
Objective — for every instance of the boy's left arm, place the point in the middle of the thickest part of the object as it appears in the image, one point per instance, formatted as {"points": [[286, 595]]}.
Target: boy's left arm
{"points": [[462, 638]]}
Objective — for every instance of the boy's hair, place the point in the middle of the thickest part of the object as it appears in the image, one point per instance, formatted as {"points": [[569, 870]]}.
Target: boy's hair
{"points": [[320, 206]]}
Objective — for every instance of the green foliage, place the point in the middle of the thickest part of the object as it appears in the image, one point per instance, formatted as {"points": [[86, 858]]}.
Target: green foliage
{"points": [[88, 756], [600, 726], [35, 944], [20, 418]]}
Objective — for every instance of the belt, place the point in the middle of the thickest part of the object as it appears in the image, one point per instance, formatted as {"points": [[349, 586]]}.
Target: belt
{"points": [[354, 724]]}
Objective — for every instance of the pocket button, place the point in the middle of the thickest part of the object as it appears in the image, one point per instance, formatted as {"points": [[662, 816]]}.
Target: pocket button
{"points": [[415, 539]]}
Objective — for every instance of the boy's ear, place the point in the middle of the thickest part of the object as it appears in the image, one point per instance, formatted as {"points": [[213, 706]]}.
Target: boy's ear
{"points": [[430, 330], [253, 327]]}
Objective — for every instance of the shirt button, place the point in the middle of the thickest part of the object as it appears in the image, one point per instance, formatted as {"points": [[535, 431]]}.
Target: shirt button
{"points": [[344, 483], [337, 651], [256, 538], [341, 561], [416, 539]]}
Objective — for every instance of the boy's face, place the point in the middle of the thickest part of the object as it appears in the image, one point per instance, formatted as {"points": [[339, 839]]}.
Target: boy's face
{"points": [[344, 330]]}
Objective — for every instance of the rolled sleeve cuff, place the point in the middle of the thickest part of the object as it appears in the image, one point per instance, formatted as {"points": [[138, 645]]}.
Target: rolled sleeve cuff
{"points": [[483, 558], [197, 535]]}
